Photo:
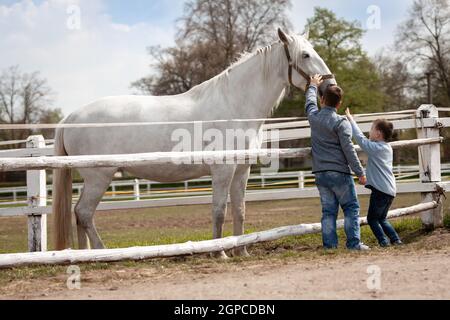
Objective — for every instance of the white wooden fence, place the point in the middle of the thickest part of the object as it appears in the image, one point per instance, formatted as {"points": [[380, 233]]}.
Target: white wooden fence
{"points": [[39, 156], [138, 189]]}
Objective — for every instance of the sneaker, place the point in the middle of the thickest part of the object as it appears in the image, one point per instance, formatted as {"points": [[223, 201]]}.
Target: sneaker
{"points": [[361, 247], [398, 243]]}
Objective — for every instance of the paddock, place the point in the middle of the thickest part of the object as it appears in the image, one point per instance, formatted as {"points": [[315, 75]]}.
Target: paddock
{"points": [[38, 156], [300, 258]]}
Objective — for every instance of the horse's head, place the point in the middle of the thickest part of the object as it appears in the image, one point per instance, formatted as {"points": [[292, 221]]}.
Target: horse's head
{"points": [[304, 62]]}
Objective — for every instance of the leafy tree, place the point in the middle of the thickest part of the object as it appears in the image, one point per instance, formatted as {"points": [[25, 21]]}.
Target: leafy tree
{"points": [[211, 35], [338, 41]]}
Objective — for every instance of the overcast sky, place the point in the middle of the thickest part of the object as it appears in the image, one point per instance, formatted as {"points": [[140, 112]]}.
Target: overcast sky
{"points": [[107, 51]]}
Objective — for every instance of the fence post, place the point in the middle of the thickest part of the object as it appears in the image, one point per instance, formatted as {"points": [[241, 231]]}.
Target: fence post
{"points": [[37, 197], [301, 180], [137, 193], [430, 165]]}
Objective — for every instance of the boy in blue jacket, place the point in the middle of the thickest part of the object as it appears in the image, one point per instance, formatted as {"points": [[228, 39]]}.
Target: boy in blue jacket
{"points": [[380, 177]]}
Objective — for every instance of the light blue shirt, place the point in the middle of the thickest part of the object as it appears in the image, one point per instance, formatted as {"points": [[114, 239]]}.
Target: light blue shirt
{"points": [[380, 174]]}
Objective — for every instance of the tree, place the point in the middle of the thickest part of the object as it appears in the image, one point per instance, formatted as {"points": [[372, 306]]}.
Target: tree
{"points": [[397, 83], [210, 36], [24, 98], [50, 115], [338, 42], [424, 40]]}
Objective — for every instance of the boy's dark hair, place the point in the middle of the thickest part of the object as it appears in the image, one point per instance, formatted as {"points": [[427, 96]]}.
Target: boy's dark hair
{"points": [[385, 127], [333, 96]]}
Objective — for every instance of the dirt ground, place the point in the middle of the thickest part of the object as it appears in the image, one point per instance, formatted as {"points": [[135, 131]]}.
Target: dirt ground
{"points": [[291, 268], [412, 272]]}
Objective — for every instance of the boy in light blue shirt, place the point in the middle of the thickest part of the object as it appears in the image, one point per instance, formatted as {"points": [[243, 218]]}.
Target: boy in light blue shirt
{"points": [[380, 177]]}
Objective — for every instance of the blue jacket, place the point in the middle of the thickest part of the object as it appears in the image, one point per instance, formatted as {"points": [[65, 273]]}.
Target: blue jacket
{"points": [[380, 173], [331, 139]]}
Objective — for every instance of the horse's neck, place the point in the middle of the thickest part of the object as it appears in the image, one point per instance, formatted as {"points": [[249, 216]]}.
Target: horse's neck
{"points": [[251, 89]]}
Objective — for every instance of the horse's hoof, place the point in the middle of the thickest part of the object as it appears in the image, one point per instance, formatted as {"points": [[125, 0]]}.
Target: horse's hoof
{"points": [[241, 252], [219, 255]]}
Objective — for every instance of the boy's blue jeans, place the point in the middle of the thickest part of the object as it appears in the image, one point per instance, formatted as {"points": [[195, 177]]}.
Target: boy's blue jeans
{"points": [[380, 204], [338, 189]]}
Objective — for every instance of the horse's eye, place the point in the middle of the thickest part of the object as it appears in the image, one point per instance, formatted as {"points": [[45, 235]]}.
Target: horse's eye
{"points": [[306, 56]]}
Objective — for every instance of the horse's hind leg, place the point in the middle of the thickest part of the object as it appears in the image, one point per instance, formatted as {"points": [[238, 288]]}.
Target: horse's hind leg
{"points": [[237, 194], [96, 182]]}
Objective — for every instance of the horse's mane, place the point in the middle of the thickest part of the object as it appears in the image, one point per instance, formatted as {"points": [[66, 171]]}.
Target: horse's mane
{"points": [[267, 65]]}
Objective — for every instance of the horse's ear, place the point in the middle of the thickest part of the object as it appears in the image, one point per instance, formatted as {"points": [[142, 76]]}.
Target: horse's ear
{"points": [[283, 36], [306, 34]]}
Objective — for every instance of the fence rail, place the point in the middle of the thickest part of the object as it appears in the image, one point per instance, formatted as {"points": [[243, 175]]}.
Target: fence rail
{"points": [[140, 188], [38, 156], [189, 248]]}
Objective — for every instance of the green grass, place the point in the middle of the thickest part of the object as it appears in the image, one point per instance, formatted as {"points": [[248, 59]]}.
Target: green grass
{"points": [[169, 225], [447, 221], [304, 247]]}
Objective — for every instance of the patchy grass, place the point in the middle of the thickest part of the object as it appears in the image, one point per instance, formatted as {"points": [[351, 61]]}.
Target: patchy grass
{"points": [[193, 223], [447, 221]]}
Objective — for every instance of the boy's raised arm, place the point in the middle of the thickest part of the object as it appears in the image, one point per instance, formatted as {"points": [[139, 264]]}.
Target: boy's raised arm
{"points": [[365, 144], [311, 106], [345, 138]]}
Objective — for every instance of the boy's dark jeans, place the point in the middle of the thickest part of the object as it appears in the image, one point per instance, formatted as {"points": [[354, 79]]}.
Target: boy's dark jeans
{"points": [[380, 203]]}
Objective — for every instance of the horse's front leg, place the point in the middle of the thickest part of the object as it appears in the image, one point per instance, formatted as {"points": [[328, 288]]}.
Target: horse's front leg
{"points": [[237, 193], [222, 175]]}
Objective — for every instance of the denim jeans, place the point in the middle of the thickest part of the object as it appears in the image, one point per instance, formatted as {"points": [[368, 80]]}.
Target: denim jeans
{"points": [[338, 189], [380, 204]]}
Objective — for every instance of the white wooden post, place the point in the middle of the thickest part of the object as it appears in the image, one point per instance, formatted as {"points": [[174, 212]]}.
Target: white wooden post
{"points": [[137, 193], [37, 197], [430, 165], [301, 180]]}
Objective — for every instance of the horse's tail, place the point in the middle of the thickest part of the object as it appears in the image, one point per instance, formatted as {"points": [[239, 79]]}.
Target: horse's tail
{"points": [[62, 198]]}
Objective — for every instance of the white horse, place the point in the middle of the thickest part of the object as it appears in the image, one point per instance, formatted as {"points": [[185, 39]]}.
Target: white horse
{"points": [[249, 89]]}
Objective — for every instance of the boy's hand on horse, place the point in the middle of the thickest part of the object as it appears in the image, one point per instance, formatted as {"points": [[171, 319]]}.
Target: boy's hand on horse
{"points": [[316, 80]]}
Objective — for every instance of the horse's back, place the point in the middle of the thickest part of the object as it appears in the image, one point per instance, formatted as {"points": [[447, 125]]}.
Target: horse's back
{"points": [[131, 139], [119, 109], [123, 139]]}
